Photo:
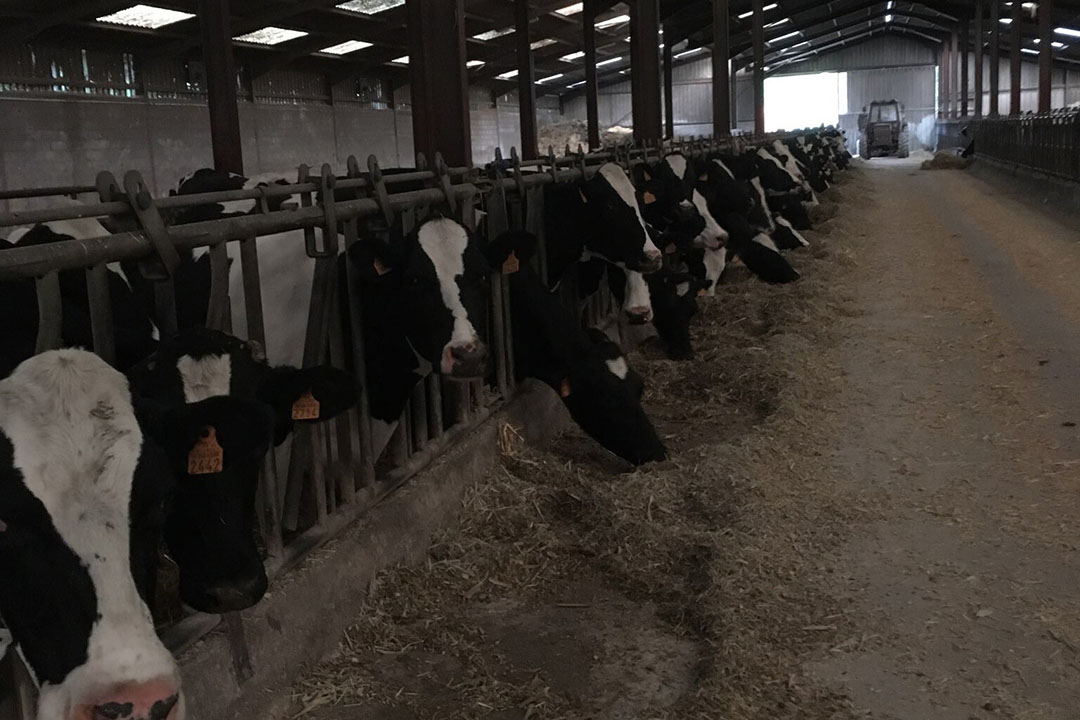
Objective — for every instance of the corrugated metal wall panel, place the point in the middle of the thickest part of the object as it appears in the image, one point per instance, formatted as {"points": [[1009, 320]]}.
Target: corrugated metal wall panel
{"points": [[885, 51]]}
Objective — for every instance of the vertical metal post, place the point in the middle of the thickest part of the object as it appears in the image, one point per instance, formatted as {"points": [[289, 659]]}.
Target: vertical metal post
{"points": [[979, 37], [526, 80], [965, 86], [721, 67], [592, 111], [645, 69], [759, 67], [995, 58], [1016, 40], [1046, 53], [954, 80], [101, 316], [221, 85], [438, 83], [669, 99]]}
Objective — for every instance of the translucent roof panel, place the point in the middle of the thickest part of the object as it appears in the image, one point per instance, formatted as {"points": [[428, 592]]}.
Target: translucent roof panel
{"points": [[145, 16]]}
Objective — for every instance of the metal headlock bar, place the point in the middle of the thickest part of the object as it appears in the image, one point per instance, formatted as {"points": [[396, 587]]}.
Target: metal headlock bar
{"points": [[331, 477]]}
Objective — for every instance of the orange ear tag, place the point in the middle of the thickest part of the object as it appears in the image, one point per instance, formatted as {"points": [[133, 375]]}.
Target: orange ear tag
{"points": [[703, 177], [649, 198], [564, 390], [306, 407], [702, 293], [511, 265], [206, 457], [379, 267]]}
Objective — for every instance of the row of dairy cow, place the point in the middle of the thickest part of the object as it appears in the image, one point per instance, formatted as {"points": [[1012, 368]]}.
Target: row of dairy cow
{"points": [[100, 464]]}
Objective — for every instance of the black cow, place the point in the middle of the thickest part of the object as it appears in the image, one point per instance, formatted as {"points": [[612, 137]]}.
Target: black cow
{"points": [[82, 492], [758, 251], [423, 300], [208, 389], [590, 373]]}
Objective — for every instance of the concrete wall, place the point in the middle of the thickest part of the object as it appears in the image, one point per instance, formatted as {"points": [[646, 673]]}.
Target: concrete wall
{"points": [[67, 141]]}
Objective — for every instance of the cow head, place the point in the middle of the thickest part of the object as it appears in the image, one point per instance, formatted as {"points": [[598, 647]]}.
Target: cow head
{"points": [[81, 499], [618, 230], [434, 281], [603, 394], [664, 194], [205, 389], [207, 180], [674, 299]]}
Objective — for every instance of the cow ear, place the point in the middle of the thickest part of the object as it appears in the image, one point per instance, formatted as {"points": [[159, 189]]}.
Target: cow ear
{"points": [[306, 395], [519, 242], [372, 257]]}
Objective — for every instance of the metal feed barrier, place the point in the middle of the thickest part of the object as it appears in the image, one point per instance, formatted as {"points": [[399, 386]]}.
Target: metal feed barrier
{"points": [[332, 476], [1048, 143]]}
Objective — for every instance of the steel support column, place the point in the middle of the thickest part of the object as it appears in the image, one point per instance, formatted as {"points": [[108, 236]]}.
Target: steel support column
{"points": [[669, 100], [721, 68], [437, 80], [943, 81], [954, 80], [1016, 42], [1046, 52], [592, 112], [979, 12], [995, 58], [965, 50], [645, 69], [221, 86], [526, 80], [759, 66]]}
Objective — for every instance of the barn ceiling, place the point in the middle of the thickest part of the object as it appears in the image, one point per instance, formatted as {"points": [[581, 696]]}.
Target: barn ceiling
{"points": [[368, 36]]}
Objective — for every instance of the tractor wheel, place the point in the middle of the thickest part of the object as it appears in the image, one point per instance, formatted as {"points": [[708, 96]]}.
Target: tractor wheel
{"points": [[903, 149], [864, 149]]}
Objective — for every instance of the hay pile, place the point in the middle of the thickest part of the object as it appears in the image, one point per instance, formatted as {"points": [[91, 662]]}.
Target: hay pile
{"points": [[703, 576], [576, 132], [943, 160]]}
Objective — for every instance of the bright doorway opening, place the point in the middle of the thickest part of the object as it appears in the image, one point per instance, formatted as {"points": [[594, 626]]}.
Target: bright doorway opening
{"points": [[801, 101]]}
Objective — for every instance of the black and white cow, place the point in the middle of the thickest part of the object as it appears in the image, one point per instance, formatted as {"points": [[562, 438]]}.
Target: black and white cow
{"points": [[206, 386], [758, 251], [81, 497], [590, 373], [133, 330], [599, 217], [423, 301]]}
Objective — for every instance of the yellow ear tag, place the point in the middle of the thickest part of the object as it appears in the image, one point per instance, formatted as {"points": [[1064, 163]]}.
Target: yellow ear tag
{"points": [[649, 198], [306, 407], [511, 265], [702, 293], [564, 390], [645, 174], [379, 267], [206, 457], [670, 249]]}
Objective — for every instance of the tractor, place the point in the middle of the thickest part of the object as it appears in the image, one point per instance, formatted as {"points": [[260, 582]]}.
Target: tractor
{"points": [[883, 131]]}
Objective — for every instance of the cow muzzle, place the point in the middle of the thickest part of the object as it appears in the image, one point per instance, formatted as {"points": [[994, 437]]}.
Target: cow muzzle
{"points": [[651, 261], [638, 315], [154, 700], [232, 596], [466, 360]]}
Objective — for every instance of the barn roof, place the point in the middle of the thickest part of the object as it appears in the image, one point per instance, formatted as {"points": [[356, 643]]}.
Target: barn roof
{"points": [[350, 37]]}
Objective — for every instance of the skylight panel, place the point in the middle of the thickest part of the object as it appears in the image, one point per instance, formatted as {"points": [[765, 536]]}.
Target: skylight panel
{"points": [[403, 60], [543, 43], [571, 9], [509, 75], [492, 34], [270, 35], [767, 8], [475, 63], [145, 16], [573, 56], [346, 47], [617, 20], [369, 7]]}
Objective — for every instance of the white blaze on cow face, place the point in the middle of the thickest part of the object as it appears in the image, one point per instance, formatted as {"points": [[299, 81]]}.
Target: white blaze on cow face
{"points": [[781, 220], [76, 443], [725, 168], [638, 304], [713, 235], [618, 367], [715, 261], [205, 377], [764, 200], [618, 180], [766, 241], [677, 163], [444, 242]]}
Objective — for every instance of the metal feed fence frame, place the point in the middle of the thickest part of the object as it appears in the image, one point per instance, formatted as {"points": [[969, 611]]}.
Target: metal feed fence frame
{"points": [[1048, 142], [332, 477]]}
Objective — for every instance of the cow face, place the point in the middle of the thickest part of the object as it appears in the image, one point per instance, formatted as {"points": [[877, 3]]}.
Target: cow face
{"points": [[603, 394], [435, 283], [674, 298], [76, 476], [664, 195], [208, 389], [618, 232]]}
